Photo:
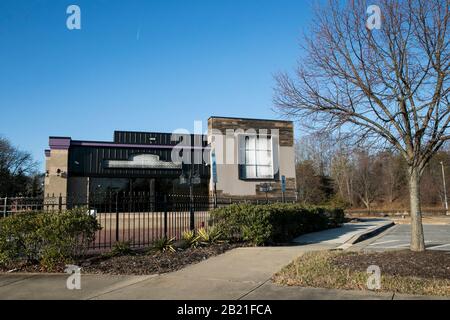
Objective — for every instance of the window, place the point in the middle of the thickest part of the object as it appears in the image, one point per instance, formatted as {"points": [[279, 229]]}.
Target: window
{"points": [[256, 157]]}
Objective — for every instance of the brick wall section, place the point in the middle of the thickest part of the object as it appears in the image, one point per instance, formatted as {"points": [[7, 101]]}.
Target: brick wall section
{"points": [[290, 193], [286, 128]]}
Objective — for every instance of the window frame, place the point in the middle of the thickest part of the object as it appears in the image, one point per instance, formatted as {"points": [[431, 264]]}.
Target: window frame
{"points": [[242, 148]]}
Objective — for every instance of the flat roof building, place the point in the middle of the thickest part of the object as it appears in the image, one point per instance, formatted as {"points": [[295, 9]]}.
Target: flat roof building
{"points": [[237, 158]]}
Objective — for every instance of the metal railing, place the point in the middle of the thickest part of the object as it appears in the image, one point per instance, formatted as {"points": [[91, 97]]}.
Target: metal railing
{"points": [[136, 218]]}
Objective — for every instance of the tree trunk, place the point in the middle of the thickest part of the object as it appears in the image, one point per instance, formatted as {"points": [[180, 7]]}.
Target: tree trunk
{"points": [[417, 237]]}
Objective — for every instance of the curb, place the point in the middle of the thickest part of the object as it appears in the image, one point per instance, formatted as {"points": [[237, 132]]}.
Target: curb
{"points": [[369, 234]]}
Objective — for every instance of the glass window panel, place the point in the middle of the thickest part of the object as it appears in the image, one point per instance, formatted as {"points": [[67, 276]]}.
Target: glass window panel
{"points": [[263, 158], [264, 172], [263, 144], [250, 157], [250, 143], [250, 172]]}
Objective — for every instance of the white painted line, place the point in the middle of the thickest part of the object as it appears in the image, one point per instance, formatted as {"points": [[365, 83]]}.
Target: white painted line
{"points": [[398, 246], [441, 246], [383, 242]]}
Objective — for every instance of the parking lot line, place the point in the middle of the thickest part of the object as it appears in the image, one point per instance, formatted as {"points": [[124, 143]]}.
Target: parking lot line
{"points": [[440, 246], [383, 242], [397, 246]]}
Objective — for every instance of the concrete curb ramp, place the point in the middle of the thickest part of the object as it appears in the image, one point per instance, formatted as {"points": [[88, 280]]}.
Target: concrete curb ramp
{"points": [[371, 233], [347, 235]]}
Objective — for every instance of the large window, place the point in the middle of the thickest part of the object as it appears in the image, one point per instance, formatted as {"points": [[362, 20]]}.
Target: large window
{"points": [[256, 157]]}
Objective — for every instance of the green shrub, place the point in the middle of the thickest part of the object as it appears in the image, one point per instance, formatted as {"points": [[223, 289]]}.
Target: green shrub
{"points": [[121, 248], [48, 238], [164, 245], [275, 223]]}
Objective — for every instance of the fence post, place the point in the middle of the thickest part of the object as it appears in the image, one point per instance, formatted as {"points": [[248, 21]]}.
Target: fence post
{"points": [[60, 203], [117, 217], [165, 216], [191, 214], [5, 207]]}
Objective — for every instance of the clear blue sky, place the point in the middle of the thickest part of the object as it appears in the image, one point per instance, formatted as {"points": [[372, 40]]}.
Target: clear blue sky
{"points": [[140, 65]]}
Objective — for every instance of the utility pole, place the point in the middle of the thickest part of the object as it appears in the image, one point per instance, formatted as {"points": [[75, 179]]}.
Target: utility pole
{"points": [[445, 189]]}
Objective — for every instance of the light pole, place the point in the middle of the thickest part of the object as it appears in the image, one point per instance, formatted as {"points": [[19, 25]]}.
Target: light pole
{"points": [[445, 189]]}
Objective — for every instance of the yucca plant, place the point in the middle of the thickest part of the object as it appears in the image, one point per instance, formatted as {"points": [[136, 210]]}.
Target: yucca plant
{"points": [[210, 236], [191, 239], [164, 245], [121, 248]]}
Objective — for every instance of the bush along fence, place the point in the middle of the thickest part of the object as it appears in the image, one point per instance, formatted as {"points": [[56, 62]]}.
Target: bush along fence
{"points": [[46, 238], [274, 223]]}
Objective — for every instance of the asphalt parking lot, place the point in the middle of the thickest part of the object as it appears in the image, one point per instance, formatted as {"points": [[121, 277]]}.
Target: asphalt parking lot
{"points": [[437, 237]]}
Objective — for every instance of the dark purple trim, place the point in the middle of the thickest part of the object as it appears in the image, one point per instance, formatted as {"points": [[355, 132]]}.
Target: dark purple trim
{"points": [[119, 145], [59, 143]]}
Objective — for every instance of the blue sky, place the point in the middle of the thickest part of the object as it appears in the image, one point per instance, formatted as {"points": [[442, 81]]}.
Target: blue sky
{"points": [[140, 65]]}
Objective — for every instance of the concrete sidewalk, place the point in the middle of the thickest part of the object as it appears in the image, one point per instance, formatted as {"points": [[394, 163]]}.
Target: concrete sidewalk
{"points": [[197, 282], [232, 275]]}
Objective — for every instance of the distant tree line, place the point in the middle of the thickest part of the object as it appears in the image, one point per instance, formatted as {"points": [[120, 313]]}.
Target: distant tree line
{"points": [[337, 172], [18, 172]]}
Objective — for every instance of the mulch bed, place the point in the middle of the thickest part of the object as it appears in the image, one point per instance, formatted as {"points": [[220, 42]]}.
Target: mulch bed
{"points": [[429, 264], [145, 263], [141, 262]]}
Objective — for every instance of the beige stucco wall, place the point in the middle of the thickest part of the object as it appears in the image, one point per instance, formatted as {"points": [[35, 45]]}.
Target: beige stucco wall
{"points": [[55, 184], [287, 162]]}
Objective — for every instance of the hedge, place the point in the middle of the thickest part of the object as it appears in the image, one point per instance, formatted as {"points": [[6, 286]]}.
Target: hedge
{"points": [[47, 238], [274, 223]]}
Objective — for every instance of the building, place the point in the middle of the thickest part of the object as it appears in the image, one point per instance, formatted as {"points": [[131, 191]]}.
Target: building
{"points": [[238, 158]]}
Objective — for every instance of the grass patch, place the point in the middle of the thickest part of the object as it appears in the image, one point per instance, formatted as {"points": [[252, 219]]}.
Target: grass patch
{"points": [[346, 270]]}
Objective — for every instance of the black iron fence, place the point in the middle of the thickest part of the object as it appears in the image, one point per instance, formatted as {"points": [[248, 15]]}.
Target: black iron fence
{"points": [[136, 218]]}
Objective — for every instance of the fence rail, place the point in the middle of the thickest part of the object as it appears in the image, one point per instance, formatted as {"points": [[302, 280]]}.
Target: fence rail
{"points": [[137, 218]]}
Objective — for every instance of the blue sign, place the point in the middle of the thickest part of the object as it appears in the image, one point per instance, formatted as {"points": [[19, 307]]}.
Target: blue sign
{"points": [[283, 184], [214, 167]]}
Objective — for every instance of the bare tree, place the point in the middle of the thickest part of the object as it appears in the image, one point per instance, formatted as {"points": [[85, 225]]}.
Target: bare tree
{"points": [[342, 172], [367, 188], [388, 85], [393, 179], [318, 148], [309, 186], [16, 167]]}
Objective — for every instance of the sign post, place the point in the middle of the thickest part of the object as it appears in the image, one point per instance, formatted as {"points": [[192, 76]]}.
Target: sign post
{"points": [[266, 187], [214, 174]]}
